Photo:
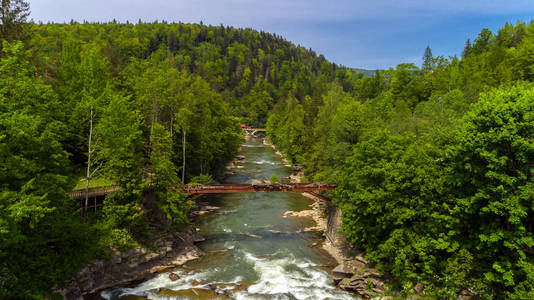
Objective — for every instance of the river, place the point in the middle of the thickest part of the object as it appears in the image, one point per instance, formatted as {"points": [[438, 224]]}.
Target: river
{"points": [[252, 251]]}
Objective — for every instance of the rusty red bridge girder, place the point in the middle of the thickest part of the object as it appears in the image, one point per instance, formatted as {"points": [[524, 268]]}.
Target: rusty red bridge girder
{"points": [[218, 188], [247, 188]]}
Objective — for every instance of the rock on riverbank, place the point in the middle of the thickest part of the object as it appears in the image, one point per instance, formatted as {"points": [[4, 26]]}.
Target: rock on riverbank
{"points": [[316, 213], [352, 274], [133, 266]]}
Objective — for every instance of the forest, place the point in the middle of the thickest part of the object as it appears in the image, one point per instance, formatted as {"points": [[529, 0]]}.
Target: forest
{"points": [[147, 107], [434, 162]]}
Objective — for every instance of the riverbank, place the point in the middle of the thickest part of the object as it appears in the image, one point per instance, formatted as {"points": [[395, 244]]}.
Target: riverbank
{"points": [[129, 267], [353, 273]]}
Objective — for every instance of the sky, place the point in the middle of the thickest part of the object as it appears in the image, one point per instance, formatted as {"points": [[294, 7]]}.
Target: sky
{"points": [[367, 34]]}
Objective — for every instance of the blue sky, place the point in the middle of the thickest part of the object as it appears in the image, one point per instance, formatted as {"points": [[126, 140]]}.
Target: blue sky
{"points": [[359, 33]]}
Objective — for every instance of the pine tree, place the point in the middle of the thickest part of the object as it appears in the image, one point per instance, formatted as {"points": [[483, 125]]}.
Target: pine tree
{"points": [[13, 13], [467, 48], [427, 59]]}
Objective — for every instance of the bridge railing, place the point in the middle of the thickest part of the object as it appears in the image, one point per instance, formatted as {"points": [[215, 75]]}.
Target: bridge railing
{"points": [[98, 191], [79, 194], [236, 188]]}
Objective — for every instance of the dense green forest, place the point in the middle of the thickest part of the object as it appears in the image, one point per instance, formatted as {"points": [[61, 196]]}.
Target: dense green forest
{"points": [[434, 163], [147, 107]]}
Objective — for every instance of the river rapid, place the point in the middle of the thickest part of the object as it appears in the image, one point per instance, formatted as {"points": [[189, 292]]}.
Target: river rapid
{"points": [[252, 251]]}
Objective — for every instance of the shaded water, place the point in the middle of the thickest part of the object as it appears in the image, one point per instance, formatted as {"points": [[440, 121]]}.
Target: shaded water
{"points": [[252, 252]]}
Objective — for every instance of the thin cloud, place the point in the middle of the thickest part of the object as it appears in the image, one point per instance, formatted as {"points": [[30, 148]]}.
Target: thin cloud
{"points": [[246, 11]]}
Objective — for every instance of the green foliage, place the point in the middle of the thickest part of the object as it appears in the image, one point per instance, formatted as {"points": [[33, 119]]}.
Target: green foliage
{"points": [[164, 178], [95, 182], [124, 220], [119, 238], [35, 213], [14, 14], [286, 127], [492, 164], [204, 179], [176, 208], [138, 97], [274, 179], [393, 205], [163, 169], [120, 144]]}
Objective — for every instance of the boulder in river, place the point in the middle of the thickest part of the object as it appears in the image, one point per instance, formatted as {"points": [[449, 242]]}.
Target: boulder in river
{"points": [[194, 293], [173, 276], [132, 297], [195, 282]]}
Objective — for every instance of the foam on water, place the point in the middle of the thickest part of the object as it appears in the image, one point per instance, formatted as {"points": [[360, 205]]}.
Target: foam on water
{"points": [[149, 288], [226, 212], [253, 235], [281, 276], [289, 277], [263, 161], [229, 245]]}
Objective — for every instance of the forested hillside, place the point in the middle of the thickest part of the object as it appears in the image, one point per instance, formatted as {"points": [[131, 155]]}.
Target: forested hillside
{"points": [[147, 107], [434, 164], [251, 70]]}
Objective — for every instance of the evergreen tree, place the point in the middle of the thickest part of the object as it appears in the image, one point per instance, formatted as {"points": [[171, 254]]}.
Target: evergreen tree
{"points": [[13, 14], [467, 48], [428, 59]]}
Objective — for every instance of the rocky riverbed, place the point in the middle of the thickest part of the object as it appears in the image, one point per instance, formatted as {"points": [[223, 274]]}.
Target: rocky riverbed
{"points": [[133, 266], [352, 274]]}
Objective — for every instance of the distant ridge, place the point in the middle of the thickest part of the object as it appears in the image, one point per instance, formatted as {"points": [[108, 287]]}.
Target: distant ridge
{"points": [[368, 73]]}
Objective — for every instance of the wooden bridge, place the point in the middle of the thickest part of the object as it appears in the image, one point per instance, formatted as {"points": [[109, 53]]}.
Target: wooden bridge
{"points": [[94, 192], [99, 191]]}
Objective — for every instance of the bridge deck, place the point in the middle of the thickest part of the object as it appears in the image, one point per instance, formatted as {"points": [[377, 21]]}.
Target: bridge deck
{"points": [[98, 191], [243, 188], [218, 188]]}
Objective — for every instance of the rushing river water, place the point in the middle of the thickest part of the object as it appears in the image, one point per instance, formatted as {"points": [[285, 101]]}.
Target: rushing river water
{"points": [[252, 251]]}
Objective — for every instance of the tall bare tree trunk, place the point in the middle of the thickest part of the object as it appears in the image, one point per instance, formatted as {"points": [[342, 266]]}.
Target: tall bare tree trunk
{"points": [[172, 124], [89, 152], [183, 155]]}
